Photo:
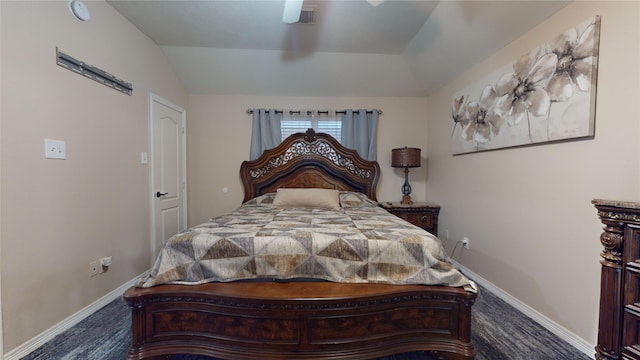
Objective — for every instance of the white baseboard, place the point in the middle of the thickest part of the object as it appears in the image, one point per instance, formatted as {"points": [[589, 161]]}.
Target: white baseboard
{"points": [[566, 335], [47, 335]]}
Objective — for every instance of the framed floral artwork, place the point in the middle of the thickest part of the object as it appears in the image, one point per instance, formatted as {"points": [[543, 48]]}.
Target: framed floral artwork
{"points": [[547, 95]]}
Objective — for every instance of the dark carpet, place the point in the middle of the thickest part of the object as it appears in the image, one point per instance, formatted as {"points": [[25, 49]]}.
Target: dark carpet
{"points": [[499, 331]]}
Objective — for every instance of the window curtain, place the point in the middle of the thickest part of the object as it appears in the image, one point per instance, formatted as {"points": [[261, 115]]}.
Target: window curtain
{"points": [[266, 131], [359, 129]]}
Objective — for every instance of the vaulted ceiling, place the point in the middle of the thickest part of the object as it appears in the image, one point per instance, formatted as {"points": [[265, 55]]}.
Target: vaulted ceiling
{"points": [[399, 48]]}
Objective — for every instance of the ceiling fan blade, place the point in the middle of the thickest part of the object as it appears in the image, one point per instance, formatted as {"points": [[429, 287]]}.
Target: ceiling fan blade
{"points": [[292, 9]]}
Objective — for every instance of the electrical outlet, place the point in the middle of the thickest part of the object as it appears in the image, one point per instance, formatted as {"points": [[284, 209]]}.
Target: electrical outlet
{"points": [[465, 242], [55, 149], [446, 234], [94, 268]]}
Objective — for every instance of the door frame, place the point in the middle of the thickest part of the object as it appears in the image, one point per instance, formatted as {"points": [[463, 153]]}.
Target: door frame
{"points": [[153, 98]]}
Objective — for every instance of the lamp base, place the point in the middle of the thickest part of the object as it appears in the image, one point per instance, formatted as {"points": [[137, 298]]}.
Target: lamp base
{"points": [[406, 200]]}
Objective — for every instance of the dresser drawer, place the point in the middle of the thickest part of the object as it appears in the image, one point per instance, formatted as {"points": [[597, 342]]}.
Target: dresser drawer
{"points": [[424, 215], [422, 220]]}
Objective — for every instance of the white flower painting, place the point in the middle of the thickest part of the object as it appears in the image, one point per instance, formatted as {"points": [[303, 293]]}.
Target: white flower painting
{"points": [[546, 95]]}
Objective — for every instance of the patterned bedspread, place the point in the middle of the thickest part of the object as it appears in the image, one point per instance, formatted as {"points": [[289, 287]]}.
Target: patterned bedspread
{"points": [[359, 243]]}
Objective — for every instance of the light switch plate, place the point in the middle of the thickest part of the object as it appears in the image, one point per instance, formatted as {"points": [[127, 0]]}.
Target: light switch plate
{"points": [[55, 149]]}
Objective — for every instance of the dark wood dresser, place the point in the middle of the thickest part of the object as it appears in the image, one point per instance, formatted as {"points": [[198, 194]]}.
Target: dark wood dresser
{"points": [[619, 321], [422, 214]]}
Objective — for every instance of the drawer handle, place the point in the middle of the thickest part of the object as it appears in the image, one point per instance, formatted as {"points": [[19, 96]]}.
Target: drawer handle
{"points": [[424, 218]]}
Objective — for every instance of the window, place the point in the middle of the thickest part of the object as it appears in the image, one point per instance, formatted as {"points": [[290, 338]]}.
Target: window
{"points": [[271, 126], [320, 122]]}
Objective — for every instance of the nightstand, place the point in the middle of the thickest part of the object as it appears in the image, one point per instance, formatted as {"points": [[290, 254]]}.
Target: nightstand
{"points": [[422, 214]]}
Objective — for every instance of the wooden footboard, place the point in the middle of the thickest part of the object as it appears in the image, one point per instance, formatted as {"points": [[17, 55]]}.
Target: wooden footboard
{"points": [[300, 320]]}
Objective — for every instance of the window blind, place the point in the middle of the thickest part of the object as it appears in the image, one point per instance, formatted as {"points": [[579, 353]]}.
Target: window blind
{"points": [[322, 123]]}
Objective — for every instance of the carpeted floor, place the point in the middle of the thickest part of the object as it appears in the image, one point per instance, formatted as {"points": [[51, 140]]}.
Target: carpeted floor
{"points": [[498, 330]]}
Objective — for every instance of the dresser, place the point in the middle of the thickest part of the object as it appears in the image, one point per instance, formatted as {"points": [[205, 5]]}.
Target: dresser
{"points": [[619, 319], [422, 214]]}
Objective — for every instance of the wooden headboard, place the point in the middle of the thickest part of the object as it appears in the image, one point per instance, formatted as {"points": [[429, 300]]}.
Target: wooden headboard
{"points": [[309, 160]]}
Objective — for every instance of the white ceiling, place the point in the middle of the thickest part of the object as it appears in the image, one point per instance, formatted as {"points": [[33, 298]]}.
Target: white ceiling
{"points": [[399, 48]]}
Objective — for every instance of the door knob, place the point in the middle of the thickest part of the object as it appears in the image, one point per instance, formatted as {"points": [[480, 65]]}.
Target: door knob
{"points": [[159, 194]]}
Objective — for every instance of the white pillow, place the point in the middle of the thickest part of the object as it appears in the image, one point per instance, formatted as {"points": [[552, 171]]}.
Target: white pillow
{"points": [[328, 199], [351, 199]]}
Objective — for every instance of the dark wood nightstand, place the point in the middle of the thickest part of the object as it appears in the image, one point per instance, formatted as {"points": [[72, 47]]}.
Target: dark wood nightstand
{"points": [[422, 214]]}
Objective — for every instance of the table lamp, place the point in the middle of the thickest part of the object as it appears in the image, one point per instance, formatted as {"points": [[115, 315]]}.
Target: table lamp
{"points": [[406, 158]]}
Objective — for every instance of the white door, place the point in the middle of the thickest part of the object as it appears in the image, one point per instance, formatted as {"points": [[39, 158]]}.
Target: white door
{"points": [[168, 163]]}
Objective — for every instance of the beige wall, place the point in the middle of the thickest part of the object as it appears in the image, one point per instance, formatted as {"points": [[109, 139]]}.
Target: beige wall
{"points": [[219, 134], [527, 211], [58, 215]]}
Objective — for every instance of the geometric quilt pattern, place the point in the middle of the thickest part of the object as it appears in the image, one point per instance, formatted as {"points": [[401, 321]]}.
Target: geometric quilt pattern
{"points": [[258, 241]]}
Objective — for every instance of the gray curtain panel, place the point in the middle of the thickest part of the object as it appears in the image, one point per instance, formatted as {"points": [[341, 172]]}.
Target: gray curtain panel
{"points": [[359, 132], [266, 131]]}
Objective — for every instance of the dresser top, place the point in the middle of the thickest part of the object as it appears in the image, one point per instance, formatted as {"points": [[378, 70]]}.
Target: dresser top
{"points": [[617, 203]]}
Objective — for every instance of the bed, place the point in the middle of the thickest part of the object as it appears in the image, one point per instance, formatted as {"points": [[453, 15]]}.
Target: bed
{"points": [[285, 315]]}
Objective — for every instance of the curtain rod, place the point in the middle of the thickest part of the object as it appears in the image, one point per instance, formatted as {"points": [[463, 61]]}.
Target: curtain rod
{"points": [[250, 111]]}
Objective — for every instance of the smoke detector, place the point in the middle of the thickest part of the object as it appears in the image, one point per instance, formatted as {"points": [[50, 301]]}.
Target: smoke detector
{"points": [[79, 10]]}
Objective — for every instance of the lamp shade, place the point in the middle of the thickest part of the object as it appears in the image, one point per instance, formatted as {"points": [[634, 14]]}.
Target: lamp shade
{"points": [[405, 157]]}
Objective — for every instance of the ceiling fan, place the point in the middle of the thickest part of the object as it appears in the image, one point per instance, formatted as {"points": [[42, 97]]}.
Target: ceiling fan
{"points": [[292, 9]]}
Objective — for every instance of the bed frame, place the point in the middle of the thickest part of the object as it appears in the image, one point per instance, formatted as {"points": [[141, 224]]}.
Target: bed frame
{"points": [[301, 320]]}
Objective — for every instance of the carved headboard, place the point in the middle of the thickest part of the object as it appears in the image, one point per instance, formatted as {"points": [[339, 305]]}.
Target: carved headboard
{"points": [[309, 160]]}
